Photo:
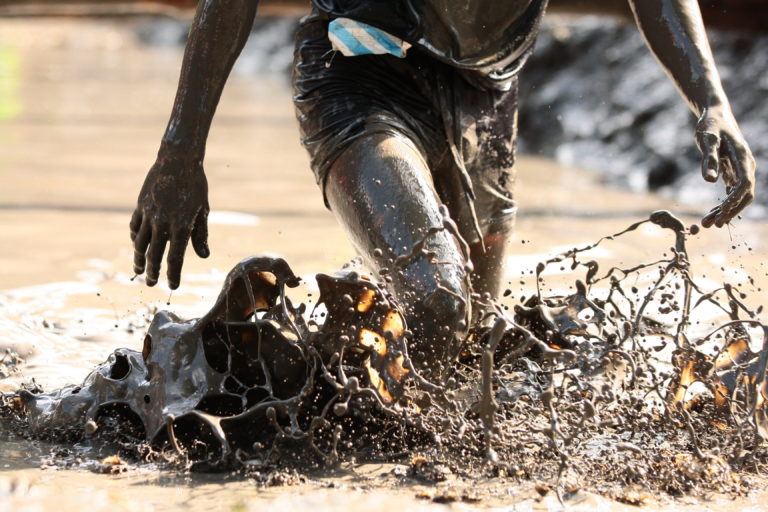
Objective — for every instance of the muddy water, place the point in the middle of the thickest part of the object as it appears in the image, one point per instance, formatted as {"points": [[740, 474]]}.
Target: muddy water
{"points": [[83, 106]]}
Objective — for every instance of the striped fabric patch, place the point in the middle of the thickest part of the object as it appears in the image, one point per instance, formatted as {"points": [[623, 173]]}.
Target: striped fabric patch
{"points": [[352, 37]]}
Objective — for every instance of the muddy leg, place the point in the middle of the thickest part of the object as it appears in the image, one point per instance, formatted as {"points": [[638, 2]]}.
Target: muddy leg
{"points": [[382, 193], [488, 274]]}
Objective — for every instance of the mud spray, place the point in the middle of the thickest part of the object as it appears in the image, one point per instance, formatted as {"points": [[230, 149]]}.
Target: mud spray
{"points": [[638, 378]]}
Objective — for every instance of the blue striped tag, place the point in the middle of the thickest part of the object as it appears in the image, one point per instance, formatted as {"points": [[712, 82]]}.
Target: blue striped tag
{"points": [[352, 37]]}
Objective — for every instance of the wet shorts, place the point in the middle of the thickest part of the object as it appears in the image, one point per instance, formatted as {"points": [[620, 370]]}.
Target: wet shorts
{"points": [[465, 134]]}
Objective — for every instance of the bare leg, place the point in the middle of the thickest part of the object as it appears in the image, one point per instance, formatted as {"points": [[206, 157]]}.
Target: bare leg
{"points": [[382, 193], [488, 273]]}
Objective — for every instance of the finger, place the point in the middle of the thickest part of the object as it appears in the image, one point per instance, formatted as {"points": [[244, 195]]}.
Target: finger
{"points": [[140, 244], [709, 219], [709, 145], [135, 224], [176, 257], [738, 168], [155, 255], [739, 197], [727, 172], [200, 234], [738, 208], [733, 205], [742, 178], [720, 215]]}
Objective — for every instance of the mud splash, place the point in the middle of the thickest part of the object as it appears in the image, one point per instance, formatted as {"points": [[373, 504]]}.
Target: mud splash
{"points": [[9, 363], [639, 377], [220, 389]]}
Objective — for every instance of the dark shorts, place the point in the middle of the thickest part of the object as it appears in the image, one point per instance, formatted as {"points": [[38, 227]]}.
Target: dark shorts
{"points": [[465, 134]]}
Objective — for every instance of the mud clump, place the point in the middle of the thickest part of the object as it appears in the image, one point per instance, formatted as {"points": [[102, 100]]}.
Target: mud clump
{"points": [[635, 377], [250, 375], [9, 363]]}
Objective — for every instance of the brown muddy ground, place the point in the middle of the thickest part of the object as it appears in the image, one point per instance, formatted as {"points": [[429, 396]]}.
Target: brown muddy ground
{"points": [[82, 107]]}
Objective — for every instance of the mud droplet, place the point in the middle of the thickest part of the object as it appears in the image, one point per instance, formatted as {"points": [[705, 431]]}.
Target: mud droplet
{"points": [[91, 427]]}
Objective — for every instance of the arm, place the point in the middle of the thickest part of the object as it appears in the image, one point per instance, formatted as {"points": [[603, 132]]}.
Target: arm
{"points": [[675, 33], [173, 202]]}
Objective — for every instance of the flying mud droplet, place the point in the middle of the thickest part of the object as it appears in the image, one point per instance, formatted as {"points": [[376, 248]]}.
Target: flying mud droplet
{"points": [[90, 427]]}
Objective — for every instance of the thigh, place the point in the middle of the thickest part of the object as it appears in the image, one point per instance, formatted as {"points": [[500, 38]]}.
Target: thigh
{"points": [[339, 99], [486, 132]]}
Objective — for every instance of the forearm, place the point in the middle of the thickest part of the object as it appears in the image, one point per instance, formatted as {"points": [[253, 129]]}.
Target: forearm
{"points": [[675, 33], [217, 36]]}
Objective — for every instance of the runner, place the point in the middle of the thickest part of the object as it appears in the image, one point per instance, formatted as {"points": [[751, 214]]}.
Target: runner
{"points": [[408, 110]]}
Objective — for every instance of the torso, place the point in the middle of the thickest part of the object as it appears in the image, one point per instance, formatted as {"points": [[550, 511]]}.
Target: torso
{"points": [[475, 27], [482, 35]]}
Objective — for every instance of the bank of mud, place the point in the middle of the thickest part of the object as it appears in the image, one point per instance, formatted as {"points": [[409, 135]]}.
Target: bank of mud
{"points": [[593, 96]]}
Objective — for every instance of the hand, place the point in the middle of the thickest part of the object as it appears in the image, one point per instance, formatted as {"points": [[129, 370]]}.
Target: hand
{"points": [[172, 206], [725, 154]]}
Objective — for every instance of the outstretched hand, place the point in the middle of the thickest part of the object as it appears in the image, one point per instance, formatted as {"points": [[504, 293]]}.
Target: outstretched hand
{"points": [[726, 155], [172, 207]]}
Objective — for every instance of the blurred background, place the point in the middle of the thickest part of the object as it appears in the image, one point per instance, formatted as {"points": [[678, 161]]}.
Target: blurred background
{"points": [[592, 96]]}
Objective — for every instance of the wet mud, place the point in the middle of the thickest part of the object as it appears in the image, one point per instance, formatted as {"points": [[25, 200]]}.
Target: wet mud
{"points": [[252, 372], [9, 363], [612, 379]]}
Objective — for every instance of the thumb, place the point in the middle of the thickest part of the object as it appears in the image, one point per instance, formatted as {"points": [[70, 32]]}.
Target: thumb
{"points": [[200, 234]]}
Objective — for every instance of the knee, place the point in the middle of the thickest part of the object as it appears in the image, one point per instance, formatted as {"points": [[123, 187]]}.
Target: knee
{"points": [[439, 325], [449, 310]]}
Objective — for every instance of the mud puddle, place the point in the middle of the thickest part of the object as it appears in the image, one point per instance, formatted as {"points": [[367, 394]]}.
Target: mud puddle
{"points": [[421, 476], [635, 382]]}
